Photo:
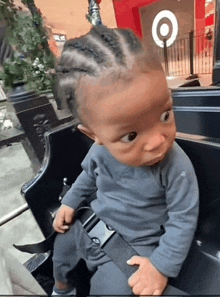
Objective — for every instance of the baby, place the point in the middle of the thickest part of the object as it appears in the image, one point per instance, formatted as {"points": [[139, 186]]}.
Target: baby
{"points": [[145, 185]]}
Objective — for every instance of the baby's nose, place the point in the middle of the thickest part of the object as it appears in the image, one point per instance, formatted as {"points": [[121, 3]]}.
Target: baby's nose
{"points": [[155, 141]]}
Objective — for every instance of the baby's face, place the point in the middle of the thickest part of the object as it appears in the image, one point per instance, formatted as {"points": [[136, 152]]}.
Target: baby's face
{"points": [[136, 124]]}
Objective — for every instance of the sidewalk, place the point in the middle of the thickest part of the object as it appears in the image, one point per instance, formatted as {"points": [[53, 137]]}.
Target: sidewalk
{"points": [[15, 171], [174, 82]]}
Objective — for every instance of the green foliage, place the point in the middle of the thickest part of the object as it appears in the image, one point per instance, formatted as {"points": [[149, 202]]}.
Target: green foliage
{"points": [[31, 60], [8, 13], [14, 70]]}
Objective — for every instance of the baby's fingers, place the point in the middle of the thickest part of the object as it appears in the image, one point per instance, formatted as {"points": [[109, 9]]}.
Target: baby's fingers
{"points": [[58, 224], [157, 292], [61, 229]]}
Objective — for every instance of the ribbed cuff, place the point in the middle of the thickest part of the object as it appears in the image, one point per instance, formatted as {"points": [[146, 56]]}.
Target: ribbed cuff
{"points": [[166, 268], [57, 292]]}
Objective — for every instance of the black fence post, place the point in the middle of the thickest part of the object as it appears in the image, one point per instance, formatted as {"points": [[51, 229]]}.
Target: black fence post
{"points": [[6, 50], [165, 57], [191, 55], [216, 53]]}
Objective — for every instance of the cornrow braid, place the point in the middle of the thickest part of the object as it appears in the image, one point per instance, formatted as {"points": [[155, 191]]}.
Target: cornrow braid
{"points": [[70, 69], [110, 40], [133, 43], [86, 48], [101, 52]]}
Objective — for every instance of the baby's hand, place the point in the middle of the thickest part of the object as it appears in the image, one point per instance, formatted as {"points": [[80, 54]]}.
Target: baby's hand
{"points": [[147, 280], [64, 218]]}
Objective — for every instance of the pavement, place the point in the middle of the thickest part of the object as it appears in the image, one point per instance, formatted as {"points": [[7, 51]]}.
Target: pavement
{"points": [[174, 82], [16, 170]]}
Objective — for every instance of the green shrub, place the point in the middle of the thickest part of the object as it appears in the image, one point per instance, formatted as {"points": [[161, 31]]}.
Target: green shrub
{"points": [[32, 59]]}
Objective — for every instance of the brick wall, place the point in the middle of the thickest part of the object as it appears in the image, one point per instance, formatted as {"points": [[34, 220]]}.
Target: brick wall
{"points": [[69, 15]]}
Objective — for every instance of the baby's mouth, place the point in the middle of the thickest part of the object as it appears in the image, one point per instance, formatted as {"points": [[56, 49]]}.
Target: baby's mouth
{"points": [[159, 158], [152, 162]]}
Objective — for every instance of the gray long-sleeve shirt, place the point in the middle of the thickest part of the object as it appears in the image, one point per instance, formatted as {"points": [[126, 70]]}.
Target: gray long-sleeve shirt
{"points": [[141, 202]]}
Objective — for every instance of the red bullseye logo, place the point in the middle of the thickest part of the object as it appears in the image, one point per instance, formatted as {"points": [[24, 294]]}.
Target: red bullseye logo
{"points": [[165, 26]]}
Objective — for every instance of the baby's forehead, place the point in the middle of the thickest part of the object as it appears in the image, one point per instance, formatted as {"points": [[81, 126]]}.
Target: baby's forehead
{"points": [[106, 81], [144, 94], [93, 91], [101, 86]]}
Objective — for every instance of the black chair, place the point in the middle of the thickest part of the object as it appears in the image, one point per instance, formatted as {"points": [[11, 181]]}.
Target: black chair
{"points": [[197, 110], [66, 147], [65, 150]]}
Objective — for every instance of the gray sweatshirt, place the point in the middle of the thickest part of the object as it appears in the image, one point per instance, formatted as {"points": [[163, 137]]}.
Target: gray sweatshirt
{"points": [[149, 206]]}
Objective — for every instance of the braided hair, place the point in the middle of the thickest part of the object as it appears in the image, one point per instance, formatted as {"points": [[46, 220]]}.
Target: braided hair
{"points": [[102, 52]]}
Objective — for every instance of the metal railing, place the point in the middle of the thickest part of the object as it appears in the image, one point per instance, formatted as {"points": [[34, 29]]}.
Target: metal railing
{"points": [[190, 55], [15, 213]]}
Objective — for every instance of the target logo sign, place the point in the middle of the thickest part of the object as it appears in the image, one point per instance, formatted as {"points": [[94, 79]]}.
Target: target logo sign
{"points": [[165, 26]]}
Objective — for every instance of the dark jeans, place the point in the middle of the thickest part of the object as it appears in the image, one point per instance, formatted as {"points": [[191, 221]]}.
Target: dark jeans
{"points": [[79, 262]]}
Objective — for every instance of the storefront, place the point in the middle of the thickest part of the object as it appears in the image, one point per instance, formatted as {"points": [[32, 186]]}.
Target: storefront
{"points": [[156, 20]]}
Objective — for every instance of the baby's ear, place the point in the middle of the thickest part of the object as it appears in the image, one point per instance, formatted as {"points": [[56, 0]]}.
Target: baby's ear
{"points": [[85, 130]]}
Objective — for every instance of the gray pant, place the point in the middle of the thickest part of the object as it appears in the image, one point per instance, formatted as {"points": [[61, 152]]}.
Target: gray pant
{"points": [[106, 277]]}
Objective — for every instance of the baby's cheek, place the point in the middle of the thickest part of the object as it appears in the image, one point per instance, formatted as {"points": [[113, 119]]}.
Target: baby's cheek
{"points": [[126, 155], [130, 160]]}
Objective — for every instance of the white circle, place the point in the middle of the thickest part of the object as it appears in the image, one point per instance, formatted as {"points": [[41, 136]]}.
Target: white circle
{"points": [[165, 14], [164, 29]]}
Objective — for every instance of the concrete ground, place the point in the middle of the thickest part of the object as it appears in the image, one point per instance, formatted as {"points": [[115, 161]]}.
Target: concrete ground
{"points": [[204, 79], [15, 171]]}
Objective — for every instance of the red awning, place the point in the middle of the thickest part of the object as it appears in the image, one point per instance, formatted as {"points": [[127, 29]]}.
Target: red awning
{"points": [[209, 21]]}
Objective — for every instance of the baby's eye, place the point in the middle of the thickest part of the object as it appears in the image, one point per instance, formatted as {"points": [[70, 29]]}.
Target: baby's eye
{"points": [[129, 137], [165, 116]]}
